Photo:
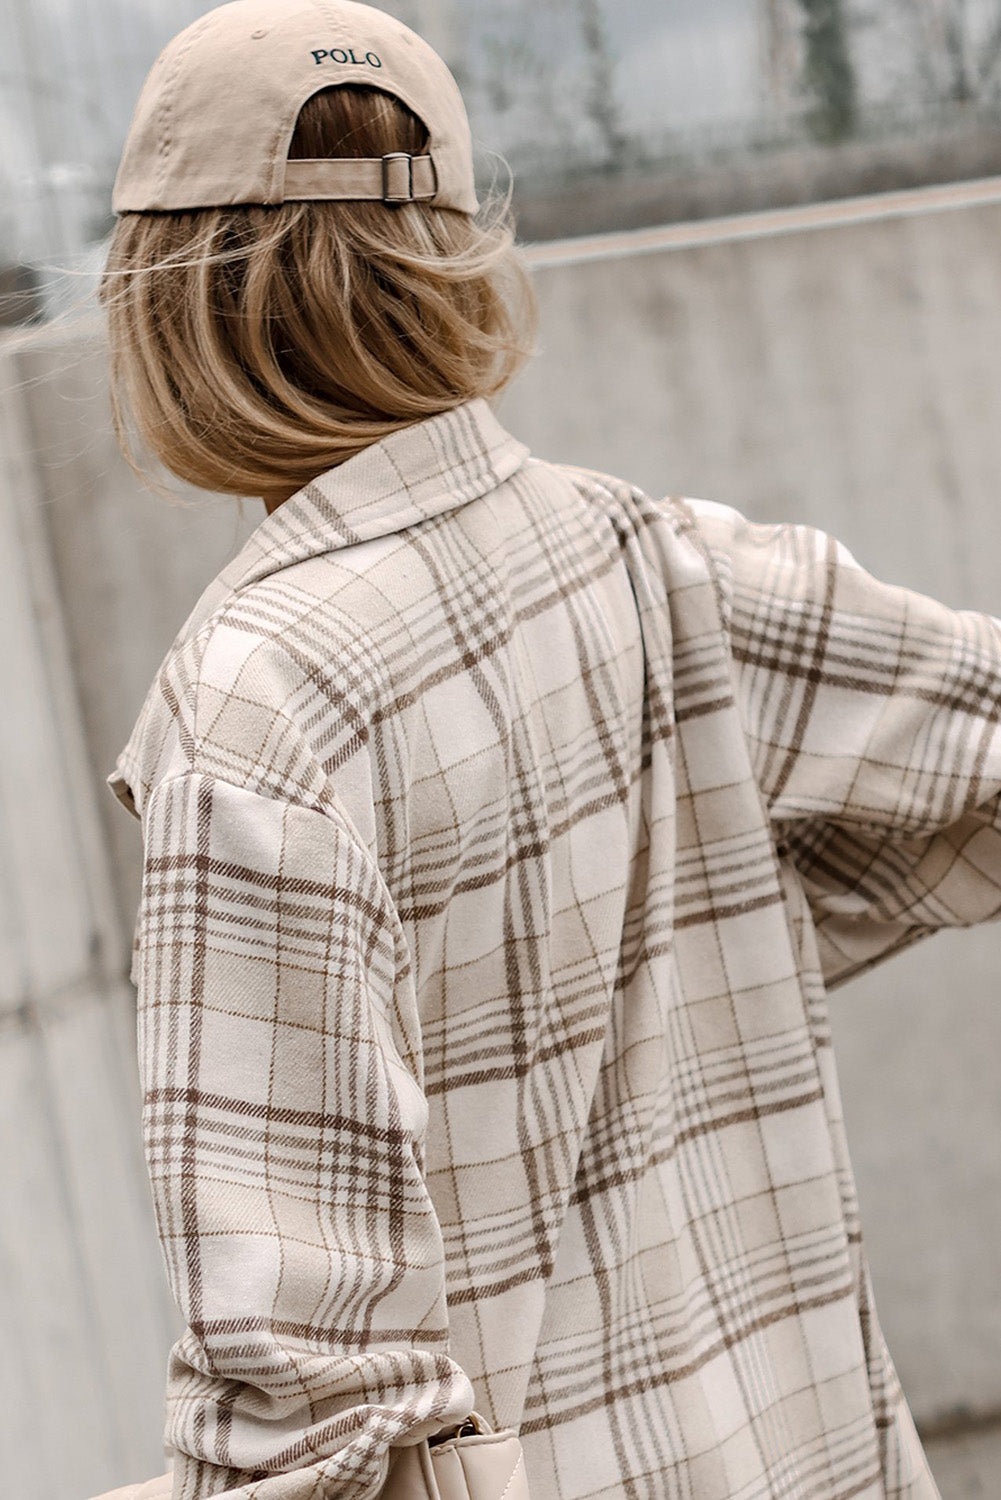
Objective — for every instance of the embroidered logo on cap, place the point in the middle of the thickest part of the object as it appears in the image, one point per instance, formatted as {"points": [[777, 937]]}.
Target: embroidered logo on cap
{"points": [[340, 55]]}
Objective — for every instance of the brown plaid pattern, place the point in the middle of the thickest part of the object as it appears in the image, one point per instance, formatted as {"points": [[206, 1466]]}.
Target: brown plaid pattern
{"points": [[504, 829]]}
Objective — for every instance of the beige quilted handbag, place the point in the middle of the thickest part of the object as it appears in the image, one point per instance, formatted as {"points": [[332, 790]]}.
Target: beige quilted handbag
{"points": [[471, 1463], [153, 1489], [475, 1463]]}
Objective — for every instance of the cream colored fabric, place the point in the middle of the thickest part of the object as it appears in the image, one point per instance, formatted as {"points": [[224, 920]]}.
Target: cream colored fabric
{"points": [[505, 830], [215, 117]]}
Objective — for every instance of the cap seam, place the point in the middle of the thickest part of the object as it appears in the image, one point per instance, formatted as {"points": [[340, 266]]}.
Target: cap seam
{"points": [[165, 112], [279, 158], [328, 15]]}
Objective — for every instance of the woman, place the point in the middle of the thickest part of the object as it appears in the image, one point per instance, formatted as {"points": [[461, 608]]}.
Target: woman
{"points": [[504, 830]]}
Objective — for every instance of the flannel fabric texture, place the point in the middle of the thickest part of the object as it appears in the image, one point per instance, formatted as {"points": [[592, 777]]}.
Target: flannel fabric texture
{"points": [[504, 831]]}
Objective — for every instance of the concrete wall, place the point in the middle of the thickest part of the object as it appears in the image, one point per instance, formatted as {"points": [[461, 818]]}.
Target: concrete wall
{"points": [[841, 368], [84, 1314], [128, 563]]}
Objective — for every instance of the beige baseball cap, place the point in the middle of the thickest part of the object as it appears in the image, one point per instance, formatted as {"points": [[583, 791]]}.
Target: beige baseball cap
{"points": [[216, 114]]}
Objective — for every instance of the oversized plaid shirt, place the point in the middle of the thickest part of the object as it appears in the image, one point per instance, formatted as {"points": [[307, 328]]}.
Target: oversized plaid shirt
{"points": [[504, 831]]}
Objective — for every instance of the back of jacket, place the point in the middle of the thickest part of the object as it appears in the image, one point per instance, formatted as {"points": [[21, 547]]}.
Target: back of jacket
{"points": [[504, 829]]}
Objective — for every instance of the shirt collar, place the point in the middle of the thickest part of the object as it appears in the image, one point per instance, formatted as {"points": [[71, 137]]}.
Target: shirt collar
{"points": [[413, 474]]}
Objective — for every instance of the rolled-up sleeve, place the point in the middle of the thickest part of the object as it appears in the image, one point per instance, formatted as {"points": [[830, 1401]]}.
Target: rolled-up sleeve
{"points": [[873, 719], [283, 1123]]}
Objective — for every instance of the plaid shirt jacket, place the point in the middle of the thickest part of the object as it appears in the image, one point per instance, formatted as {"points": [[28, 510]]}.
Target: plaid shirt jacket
{"points": [[504, 830]]}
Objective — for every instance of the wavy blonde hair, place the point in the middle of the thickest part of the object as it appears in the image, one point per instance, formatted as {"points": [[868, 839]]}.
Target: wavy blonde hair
{"points": [[254, 347]]}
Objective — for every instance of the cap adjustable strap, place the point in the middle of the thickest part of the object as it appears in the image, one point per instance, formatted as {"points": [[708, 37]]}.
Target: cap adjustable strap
{"points": [[394, 178]]}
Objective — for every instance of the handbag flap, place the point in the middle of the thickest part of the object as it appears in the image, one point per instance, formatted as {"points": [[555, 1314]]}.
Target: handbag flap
{"points": [[159, 1488], [410, 1476], [486, 1467]]}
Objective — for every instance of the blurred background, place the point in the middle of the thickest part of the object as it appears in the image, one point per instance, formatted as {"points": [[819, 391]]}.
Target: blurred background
{"points": [[611, 114], [765, 236]]}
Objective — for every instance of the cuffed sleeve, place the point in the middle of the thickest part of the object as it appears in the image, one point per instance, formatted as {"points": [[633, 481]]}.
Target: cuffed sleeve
{"points": [[873, 717], [283, 1123]]}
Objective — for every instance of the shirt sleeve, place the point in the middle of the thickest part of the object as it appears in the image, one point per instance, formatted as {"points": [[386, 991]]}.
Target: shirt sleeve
{"points": [[283, 1123], [873, 718]]}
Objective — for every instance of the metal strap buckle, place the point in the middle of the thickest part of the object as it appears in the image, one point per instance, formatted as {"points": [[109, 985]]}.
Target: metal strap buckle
{"points": [[397, 177], [471, 1427]]}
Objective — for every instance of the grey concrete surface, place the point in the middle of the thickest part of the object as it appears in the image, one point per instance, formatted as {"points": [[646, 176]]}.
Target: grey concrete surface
{"points": [[845, 374], [85, 1314], [129, 563], [968, 1467]]}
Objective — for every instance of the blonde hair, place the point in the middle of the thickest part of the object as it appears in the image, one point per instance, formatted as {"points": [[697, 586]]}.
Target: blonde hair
{"points": [[254, 347]]}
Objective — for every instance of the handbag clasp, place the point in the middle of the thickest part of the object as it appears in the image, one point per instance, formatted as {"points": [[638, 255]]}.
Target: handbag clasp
{"points": [[470, 1427]]}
